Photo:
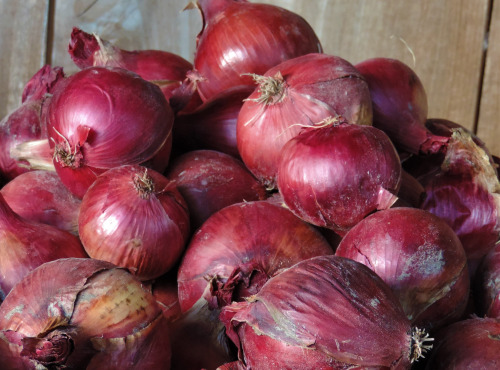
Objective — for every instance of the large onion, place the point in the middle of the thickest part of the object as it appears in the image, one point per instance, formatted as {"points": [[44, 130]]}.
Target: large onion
{"points": [[326, 312], [335, 174], [296, 93], [242, 37], [82, 314], [103, 117], [421, 259], [134, 218]]}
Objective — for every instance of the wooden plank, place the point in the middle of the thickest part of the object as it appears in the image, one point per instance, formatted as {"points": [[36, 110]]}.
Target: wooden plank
{"points": [[130, 24], [23, 34], [488, 127]]}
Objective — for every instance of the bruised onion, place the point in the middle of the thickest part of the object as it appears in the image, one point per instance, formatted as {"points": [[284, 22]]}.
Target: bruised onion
{"points": [[82, 313], [473, 343], [134, 217], [296, 93], [26, 125], [103, 117], [209, 181], [167, 69], [335, 174], [239, 37], [487, 284], [419, 257], [25, 245], [41, 196], [322, 313], [400, 105]]}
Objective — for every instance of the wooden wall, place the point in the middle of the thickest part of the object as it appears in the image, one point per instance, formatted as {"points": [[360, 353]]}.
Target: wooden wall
{"points": [[453, 45]]}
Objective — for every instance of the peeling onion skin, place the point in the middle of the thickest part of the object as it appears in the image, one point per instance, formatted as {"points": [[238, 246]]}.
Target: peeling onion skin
{"points": [[473, 343], [421, 259], [310, 88], [25, 245], [240, 37], [135, 218], [99, 315], [334, 175], [209, 180], [41, 196], [487, 285], [86, 122], [326, 312]]}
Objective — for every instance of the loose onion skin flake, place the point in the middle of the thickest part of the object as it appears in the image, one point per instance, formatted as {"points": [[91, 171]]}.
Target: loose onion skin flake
{"points": [[421, 259], [334, 175], [135, 218], [296, 93], [82, 313], [241, 37], [326, 312]]}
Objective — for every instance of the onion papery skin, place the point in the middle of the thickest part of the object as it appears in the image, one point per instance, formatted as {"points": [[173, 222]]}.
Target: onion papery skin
{"points": [[212, 125], [167, 69], [27, 123], [311, 88], [104, 117], [240, 37], [209, 180], [40, 196], [335, 175], [327, 312], [135, 218], [487, 284], [473, 343], [99, 313], [25, 245], [419, 257], [400, 105], [228, 259]]}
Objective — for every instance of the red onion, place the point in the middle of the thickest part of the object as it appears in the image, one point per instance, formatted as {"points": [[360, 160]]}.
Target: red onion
{"points": [[164, 289], [230, 257], [167, 69], [26, 125], [242, 37], [400, 105], [25, 245], [335, 174], [296, 93], [469, 344], [323, 313], [466, 194], [419, 257], [411, 192], [209, 181], [135, 218], [213, 124], [103, 117], [487, 284], [41, 196], [82, 314]]}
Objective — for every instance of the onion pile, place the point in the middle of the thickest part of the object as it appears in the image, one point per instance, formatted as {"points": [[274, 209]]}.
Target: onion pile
{"points": [[263, 206]]}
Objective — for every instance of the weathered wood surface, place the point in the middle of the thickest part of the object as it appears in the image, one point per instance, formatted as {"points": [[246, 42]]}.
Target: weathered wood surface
{"points": [[442, 40]]}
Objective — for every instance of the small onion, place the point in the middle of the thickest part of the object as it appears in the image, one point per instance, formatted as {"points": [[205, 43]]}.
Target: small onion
{"points": [[468, 344], [209, 181], [242, 37], [135, 218], [25, 245], [41, 196], [296, 93], [82, 313], [419, 257], [103, 117], [335, 174], [325, 312], [400, 105]]}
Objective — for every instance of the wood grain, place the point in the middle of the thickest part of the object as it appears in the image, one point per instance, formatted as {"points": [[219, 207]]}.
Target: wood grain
{"points": [[23, 35]]}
